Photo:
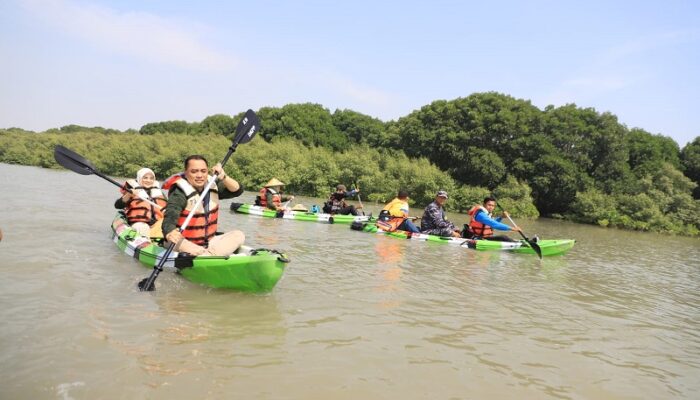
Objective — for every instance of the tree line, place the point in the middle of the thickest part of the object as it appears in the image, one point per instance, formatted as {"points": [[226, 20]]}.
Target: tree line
{"points": [[563, 162]]}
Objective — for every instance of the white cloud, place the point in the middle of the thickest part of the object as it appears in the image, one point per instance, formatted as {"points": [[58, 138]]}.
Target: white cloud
{"points": [[137, 34], [616, 68]]}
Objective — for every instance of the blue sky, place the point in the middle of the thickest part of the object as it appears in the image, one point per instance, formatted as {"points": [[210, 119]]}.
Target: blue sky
{"points": [[121, 64]]}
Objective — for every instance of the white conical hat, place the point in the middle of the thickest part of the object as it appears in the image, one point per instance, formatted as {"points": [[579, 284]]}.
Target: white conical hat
{"points": [[273, 182]]}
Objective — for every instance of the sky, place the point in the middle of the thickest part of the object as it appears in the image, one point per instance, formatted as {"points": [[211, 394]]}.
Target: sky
{"points": [[122, 64]]}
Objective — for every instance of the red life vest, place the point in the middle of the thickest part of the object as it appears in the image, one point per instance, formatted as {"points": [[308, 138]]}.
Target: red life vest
{"points": [[276, 198], [478, 228], [171, 181], [139, 210], [202, 227]]}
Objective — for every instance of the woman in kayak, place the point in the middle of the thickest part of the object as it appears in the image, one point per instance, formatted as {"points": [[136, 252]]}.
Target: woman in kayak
{"points": [[482, 222], [336, 202], [143, 202], [271, 196]]}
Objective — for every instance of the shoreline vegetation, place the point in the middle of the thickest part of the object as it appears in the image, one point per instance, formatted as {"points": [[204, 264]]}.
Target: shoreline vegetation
{"points": [[562, 162]]}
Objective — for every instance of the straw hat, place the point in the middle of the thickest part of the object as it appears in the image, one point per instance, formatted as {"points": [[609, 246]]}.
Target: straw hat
{"points": [[273, 182], [299, 207]]}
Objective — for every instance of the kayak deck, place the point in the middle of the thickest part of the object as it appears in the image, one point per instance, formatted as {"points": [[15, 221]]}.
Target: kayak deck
{"points": [[248, 270], [549, 247], [299, 215]]}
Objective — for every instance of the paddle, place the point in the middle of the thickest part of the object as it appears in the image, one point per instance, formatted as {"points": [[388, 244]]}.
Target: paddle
{"points": [[246, 129], [532, 244], [359, 200], [77, 163]]}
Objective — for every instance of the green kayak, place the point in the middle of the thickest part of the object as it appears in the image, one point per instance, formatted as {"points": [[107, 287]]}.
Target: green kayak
{"points": [[299, 215], [551, 247], [248, 270]]}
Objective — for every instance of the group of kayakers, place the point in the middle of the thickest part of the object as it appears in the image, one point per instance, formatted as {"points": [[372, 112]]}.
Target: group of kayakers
{"points": [[395, 216], [154, 213]]}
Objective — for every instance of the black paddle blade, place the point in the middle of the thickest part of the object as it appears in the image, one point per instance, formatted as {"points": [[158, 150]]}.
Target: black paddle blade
{"points": [[144, 282], [535, 247], [247, 128], [72, 161]]}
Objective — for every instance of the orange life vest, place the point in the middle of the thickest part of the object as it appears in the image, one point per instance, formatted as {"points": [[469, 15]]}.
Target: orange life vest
{"points": [[276, 197], [139, 210], [391, 224], [202, 227], [478, 228]]}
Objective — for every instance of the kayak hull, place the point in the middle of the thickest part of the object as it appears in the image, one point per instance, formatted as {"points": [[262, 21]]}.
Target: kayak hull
{"points": [[549, 247], [250, 270], [299, 215]]}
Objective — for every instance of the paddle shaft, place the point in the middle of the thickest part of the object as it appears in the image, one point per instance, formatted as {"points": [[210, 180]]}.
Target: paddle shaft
{"points": [[149, 282], [359, 200], [243, 135], [532, 244], [76, 163]]}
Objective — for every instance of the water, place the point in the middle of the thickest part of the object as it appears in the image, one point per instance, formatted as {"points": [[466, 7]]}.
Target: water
{"points": [[356, 316]]}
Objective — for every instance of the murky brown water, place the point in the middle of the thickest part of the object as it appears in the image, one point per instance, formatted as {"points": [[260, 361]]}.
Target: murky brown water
{"points": [[355, 317]]}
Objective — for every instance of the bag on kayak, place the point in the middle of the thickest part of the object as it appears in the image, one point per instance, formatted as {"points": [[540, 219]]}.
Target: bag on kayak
{"points": [[467, 232], [358, 226], [327, 207]]}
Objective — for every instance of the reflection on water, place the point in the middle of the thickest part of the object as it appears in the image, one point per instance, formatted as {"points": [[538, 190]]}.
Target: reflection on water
{"points": [[355, 316]]}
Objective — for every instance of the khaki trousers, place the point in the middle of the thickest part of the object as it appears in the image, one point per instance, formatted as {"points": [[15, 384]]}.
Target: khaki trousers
{"points": [[221, 245], [142, 228]]}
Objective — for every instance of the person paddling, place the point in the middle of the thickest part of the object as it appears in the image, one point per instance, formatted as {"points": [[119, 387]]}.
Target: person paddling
{"points": [[143, 201], [482, 222], [336, 203], [434, 222], [198, 237]]}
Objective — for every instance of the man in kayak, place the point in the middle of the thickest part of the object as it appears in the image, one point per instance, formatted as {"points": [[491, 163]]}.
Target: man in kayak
{"points": [[433, 221], [198, 238], [143, 202], [271, 196], [394, 215], [336, 203], [482, 222]]}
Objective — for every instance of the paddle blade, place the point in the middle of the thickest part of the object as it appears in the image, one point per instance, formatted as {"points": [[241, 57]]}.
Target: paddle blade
{"points": [[73, 161], [535, 247], [143, 285], [247, 128]]}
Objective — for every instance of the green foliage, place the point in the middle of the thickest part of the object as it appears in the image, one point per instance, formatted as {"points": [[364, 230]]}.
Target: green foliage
{"points": [[479, 167], [179, 127], [218, 124], [359, 128], [554, 183], [566, 160], [516, 198], [690, 160], [662, 203], [310, 123], [594, 207], [647, 152]]}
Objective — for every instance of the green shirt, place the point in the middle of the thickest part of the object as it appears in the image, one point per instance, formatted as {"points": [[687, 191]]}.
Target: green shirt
{"points": [[177, 201]]}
